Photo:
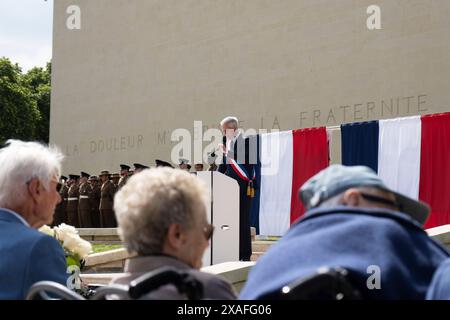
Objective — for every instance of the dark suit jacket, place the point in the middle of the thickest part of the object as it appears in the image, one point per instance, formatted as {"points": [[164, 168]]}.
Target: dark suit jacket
{"points": [[243, 150], [214, 287], [27, 256]]}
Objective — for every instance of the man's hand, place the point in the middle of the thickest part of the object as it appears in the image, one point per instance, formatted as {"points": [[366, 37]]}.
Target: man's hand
{"points": [[223, 148]]}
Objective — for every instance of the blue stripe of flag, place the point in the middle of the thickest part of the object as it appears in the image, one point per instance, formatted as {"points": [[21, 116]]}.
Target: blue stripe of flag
{"points": [[360, 144]]}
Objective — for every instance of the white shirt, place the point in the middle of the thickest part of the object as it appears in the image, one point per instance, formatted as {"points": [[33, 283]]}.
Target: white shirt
{"points": [[18, 216], [229, 141]]}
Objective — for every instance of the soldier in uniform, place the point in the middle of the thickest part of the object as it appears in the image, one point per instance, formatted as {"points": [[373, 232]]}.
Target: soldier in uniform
{"points": [[106, 201], [115, 177], [72, 201], [84, 206], [94, 200], [60, 209], [64, 193], [124, 169]]}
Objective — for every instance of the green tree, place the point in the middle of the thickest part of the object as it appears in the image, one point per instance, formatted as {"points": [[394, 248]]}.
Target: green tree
{"points": [[38, 80], [19, 114]]}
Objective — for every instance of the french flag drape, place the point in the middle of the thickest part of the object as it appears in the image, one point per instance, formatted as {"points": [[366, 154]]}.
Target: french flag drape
{"points": [[435, 168], [287, 159], [411, 155], [360, 144]]}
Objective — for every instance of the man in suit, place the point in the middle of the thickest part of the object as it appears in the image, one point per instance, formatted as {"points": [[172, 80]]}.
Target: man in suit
{"points": [[28, 195], [84, 205], [236, 165], [107, 192]]}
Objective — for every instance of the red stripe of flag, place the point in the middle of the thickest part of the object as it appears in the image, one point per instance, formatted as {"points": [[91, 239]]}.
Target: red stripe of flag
{"points": [[310, 155], [435, 168]]}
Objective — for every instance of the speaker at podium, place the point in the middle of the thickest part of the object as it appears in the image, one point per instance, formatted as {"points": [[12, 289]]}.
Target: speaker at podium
{"points": [[222, 209]]}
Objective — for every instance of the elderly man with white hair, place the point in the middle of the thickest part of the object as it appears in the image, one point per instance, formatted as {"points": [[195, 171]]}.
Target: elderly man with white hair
{"points": [[237, 153], [29, 175], [161, 214]]}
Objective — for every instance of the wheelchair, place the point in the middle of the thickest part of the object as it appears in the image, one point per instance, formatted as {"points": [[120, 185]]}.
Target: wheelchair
{"points": [[184, 282], [325, 284]]}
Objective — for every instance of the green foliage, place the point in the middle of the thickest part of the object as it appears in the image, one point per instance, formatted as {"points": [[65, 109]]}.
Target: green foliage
{"points": [[96, 248], [24, 102]]}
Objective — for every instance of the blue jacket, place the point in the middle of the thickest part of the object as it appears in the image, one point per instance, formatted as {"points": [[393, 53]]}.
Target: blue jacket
{"points": [[27, 256], [355, 239], [440, 285]]}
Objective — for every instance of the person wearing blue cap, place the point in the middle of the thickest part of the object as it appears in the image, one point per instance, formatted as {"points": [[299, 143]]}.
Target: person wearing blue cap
{"points": [[355, 222]]}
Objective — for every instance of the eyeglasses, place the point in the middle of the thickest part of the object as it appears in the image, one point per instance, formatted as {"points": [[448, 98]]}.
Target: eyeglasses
{"points": [[208, 231], [388, 202]]}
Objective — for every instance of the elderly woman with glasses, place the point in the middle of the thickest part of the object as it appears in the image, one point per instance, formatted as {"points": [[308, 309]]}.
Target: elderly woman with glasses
{"points": [[161, 215]]}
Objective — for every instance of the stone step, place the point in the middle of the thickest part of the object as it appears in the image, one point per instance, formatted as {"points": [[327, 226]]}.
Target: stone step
{"points": [[261, 245], [256, 255]]}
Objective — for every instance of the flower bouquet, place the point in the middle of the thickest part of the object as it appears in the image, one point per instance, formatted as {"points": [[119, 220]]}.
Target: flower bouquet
{"points": [[75, 250]]}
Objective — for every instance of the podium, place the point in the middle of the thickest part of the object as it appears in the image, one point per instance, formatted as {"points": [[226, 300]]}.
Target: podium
{"points": [[223, 212]]}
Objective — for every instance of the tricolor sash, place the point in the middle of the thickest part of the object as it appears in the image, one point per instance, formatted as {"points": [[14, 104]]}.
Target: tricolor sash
{"points": [[244, 175]]}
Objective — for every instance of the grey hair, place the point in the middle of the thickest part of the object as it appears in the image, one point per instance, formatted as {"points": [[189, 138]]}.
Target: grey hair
{"points": [[22, 161], [230, 120], [153, 200]]}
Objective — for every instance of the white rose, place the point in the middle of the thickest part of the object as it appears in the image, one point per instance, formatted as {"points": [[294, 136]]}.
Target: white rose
{"points": [[83, 248], [70, 241], [47, 230], [64, 230], [74, 244]]}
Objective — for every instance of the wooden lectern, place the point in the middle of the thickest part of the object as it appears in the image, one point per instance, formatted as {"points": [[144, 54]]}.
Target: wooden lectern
{"points": [[223, 212]]}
